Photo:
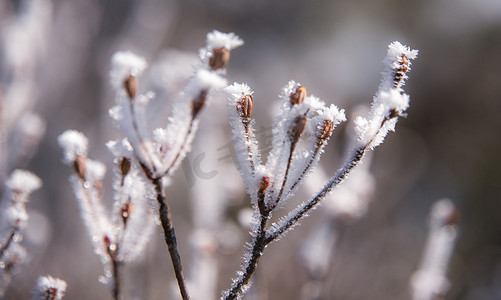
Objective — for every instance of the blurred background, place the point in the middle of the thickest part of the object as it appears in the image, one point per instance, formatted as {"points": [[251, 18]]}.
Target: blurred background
{"points": [[448, 146]]}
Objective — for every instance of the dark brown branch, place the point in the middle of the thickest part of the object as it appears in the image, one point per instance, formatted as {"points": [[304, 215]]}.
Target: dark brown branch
{"points": [[170, 237], [116, 279], [257, 251], [3, 249], [340, 175]]}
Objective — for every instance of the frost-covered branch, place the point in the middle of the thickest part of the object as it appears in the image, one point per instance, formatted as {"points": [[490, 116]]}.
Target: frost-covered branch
{"points": [[122, 236], [343, 206], [388, 104], [299, 135], [429, 281], [155, 154], [13, 221]]}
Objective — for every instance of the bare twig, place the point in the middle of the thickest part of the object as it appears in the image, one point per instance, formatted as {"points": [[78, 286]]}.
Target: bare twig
{"points": [[256, 252], [340, 175], [3, 249], [170, 237]]}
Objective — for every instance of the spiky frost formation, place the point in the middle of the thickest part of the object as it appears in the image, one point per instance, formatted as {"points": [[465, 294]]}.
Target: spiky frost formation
{"points": [[22, 181], [49, 288], [300, 133], [162, 151], [123, 64], [390, 101], [132, 213], [244, 138], [74, 143]]}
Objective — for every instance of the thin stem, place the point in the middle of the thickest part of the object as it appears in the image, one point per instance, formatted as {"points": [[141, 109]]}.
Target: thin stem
{"points": [[116, 278], [249, 147], [257, 251], [170, 237], [3, 249], [307, 168], [340, 175], [284, 182], [181, 148], [138, 134]]}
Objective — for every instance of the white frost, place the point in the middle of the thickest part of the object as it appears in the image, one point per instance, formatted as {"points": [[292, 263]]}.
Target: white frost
{"points": [[74, 143], [124, 63], [49, 287]]}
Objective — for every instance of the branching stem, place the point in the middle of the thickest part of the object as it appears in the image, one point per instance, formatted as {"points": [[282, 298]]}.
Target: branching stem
{"points": [[340, 175]]}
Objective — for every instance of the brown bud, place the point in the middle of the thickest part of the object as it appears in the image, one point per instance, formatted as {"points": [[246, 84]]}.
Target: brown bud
{"points": [[125, 166], [393, 113], [79, 166], [263, 185], [245, 106], [298, 128], [326, 130], [198, 103], [299, 95], [401, 70], [220, 58], [130, 85], [126, 210]]}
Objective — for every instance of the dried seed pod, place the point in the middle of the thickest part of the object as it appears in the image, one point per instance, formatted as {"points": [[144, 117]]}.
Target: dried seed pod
{"points": [[245, 107], [79, 164], [393, 113], [297, 128], [325, 130], [298, 96], [130, 85], [220, 58], [399, 74], [198, 103], [125, 166], [263, 185]]}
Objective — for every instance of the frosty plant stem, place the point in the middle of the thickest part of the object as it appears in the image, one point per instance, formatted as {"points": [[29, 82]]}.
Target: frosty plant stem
{"points": [[159, 154], [170, 236], [299, 136]]}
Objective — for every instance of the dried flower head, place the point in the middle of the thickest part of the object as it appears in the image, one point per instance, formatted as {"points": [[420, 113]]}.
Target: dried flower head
{"points": [[220, 58], [325, 130], [298, 95], [245, 106]]}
